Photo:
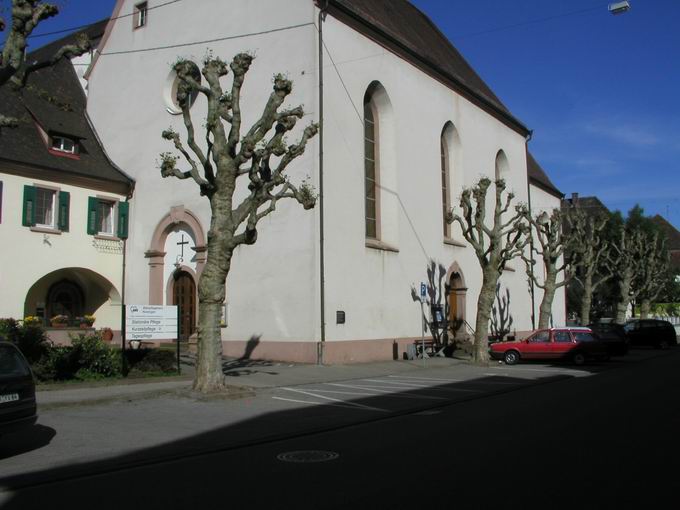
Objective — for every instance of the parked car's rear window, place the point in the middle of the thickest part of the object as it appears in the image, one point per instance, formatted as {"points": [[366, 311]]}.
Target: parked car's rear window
{"points": [[11, 362], [582, 336]]}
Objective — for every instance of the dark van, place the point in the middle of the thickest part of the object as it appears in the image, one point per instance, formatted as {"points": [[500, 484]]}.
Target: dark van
{"points": [[17, 390], [653, 332]]}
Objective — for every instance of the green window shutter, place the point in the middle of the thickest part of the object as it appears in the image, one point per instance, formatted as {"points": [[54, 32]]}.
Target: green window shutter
{"points": [[92, 215], [64, 206], [28, 216], [123, 212]]}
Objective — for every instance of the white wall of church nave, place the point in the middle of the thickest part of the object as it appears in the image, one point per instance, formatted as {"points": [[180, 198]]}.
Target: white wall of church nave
{"points": [[372, 286], [29, 255], [282, 262]]}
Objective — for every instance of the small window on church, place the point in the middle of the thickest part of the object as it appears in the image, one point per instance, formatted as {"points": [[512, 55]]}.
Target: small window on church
{"points": [[45, 207], [105, 216], [63, 144], [140, 15]]}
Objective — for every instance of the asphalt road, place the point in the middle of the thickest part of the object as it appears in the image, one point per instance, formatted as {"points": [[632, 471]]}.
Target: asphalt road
{"points": [[601, 438]]}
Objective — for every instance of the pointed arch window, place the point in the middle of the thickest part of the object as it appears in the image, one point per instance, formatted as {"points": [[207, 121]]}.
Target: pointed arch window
{"points": [[371, 168], [446, 188]]}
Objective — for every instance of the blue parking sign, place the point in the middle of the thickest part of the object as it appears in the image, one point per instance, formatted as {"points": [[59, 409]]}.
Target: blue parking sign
{"points": [[423, 290]]}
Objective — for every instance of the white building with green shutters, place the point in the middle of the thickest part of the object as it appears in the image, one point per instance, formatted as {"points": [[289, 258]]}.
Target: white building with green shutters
{"points": [[63, 206]]}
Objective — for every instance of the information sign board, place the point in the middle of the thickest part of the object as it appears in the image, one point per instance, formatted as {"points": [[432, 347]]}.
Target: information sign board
{"points": [[150, 322]]}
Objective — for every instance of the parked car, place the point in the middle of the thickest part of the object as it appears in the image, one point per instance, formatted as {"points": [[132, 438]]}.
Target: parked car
{"points": [[613, 336], [17, 390], [653, 332], [573, 343]]}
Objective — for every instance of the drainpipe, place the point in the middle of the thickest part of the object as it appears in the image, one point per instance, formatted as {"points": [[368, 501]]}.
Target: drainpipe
{"points": [[323, 5], [122, 301], [531, 240]]}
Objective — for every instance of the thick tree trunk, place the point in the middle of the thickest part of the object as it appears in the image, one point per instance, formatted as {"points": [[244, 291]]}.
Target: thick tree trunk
{"points": [[587, 300], [487, 294], [645, 308], [211, 295], [624, 299], [545, 309]]}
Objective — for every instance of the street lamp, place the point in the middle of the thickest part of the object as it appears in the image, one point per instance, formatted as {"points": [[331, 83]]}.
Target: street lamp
{"points": [[619, 7]]}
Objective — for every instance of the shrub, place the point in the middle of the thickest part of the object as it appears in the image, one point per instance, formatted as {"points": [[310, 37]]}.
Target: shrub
{"points": [[29, 337], [94, 355]]}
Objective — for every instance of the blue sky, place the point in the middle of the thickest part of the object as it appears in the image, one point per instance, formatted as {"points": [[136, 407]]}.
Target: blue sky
{"points": [[601, 92]]}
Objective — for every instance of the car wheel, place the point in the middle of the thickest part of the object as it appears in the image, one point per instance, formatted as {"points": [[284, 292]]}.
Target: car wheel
{"points": [[511, 357], [578, 358]]}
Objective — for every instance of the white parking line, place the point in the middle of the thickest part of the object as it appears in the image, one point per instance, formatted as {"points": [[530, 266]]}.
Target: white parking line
{"points": [[423, 378], [551, 371], [379, 395], [387, 393], [361, 406]]}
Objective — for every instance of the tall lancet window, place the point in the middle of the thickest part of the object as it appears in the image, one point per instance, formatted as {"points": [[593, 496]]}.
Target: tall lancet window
{"points": [[371, 168], [446, 192]]}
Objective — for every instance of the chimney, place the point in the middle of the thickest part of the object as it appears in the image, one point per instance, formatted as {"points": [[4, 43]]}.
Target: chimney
{"points": [[574, 198]]}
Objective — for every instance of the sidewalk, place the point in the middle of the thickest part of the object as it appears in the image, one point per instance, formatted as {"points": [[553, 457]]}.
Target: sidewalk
{"points": [[242, 377]]}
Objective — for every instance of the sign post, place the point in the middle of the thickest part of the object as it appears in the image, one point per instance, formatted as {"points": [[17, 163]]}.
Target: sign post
{"points": [[423, 292], [152, 322]]}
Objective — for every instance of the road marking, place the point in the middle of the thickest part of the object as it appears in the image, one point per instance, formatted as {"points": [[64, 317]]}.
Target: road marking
{"points": [[423, 378], [387, 393], [361, 406], [404, 386], [381, 394]]}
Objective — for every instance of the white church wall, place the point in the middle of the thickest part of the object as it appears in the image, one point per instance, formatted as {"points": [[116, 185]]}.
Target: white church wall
{"points": [[272, 290], [273, 286], [373, 286], [92, 263]]}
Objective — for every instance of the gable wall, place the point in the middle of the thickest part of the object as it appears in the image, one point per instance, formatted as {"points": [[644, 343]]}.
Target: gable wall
{"points": [[126, 103]]}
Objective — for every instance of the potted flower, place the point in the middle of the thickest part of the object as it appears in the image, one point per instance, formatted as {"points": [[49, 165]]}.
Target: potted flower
{"points": [[86, 321], [59, 321], [32, 320]]}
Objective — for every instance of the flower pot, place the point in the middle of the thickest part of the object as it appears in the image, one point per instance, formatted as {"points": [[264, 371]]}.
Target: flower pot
{"points": [[58, 324], [107, 334]]}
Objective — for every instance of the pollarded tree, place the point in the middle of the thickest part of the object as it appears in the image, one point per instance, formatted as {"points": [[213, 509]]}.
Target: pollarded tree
{"points": [[552, 241], [259, 156], [494, 246], [14, 68], [629, 253], [589, 253], [654, 274]]}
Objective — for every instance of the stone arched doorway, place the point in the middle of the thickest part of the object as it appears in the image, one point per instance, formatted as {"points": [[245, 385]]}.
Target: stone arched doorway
{"points": [[184, 297], [457, 299], [179, 220]]}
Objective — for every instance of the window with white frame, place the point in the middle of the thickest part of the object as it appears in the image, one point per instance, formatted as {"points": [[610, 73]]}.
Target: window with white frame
{"points": [[63, 144], [45, 207], [140, 15], [105, 216]]}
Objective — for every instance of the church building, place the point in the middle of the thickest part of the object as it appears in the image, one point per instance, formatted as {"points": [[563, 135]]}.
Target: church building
{"points": [[407, 125]]}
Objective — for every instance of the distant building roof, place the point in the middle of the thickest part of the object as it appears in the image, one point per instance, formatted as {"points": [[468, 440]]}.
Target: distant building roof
{"points": [[592, 205], [671, 232], [539, 177], [403, 28], [54, 101]]}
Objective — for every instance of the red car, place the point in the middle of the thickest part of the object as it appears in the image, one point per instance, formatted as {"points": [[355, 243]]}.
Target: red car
{"points": [[575, 344]]}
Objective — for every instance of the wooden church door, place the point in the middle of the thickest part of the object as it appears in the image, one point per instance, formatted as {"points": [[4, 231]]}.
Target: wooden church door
{"points": [[184, 296]]}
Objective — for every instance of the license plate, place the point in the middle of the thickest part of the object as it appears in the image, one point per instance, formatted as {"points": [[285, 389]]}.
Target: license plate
{"points": [[10, 397]]}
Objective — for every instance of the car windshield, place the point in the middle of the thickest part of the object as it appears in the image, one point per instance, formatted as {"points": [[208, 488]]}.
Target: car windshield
{"points": [[12, 363]]}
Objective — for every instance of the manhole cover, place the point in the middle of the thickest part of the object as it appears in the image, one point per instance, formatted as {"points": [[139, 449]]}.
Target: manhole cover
{"points": [[307, 456]]}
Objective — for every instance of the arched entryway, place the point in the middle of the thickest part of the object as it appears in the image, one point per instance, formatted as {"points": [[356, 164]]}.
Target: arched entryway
{"points": [[184, 297], [457, 299], [65, 297]]}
